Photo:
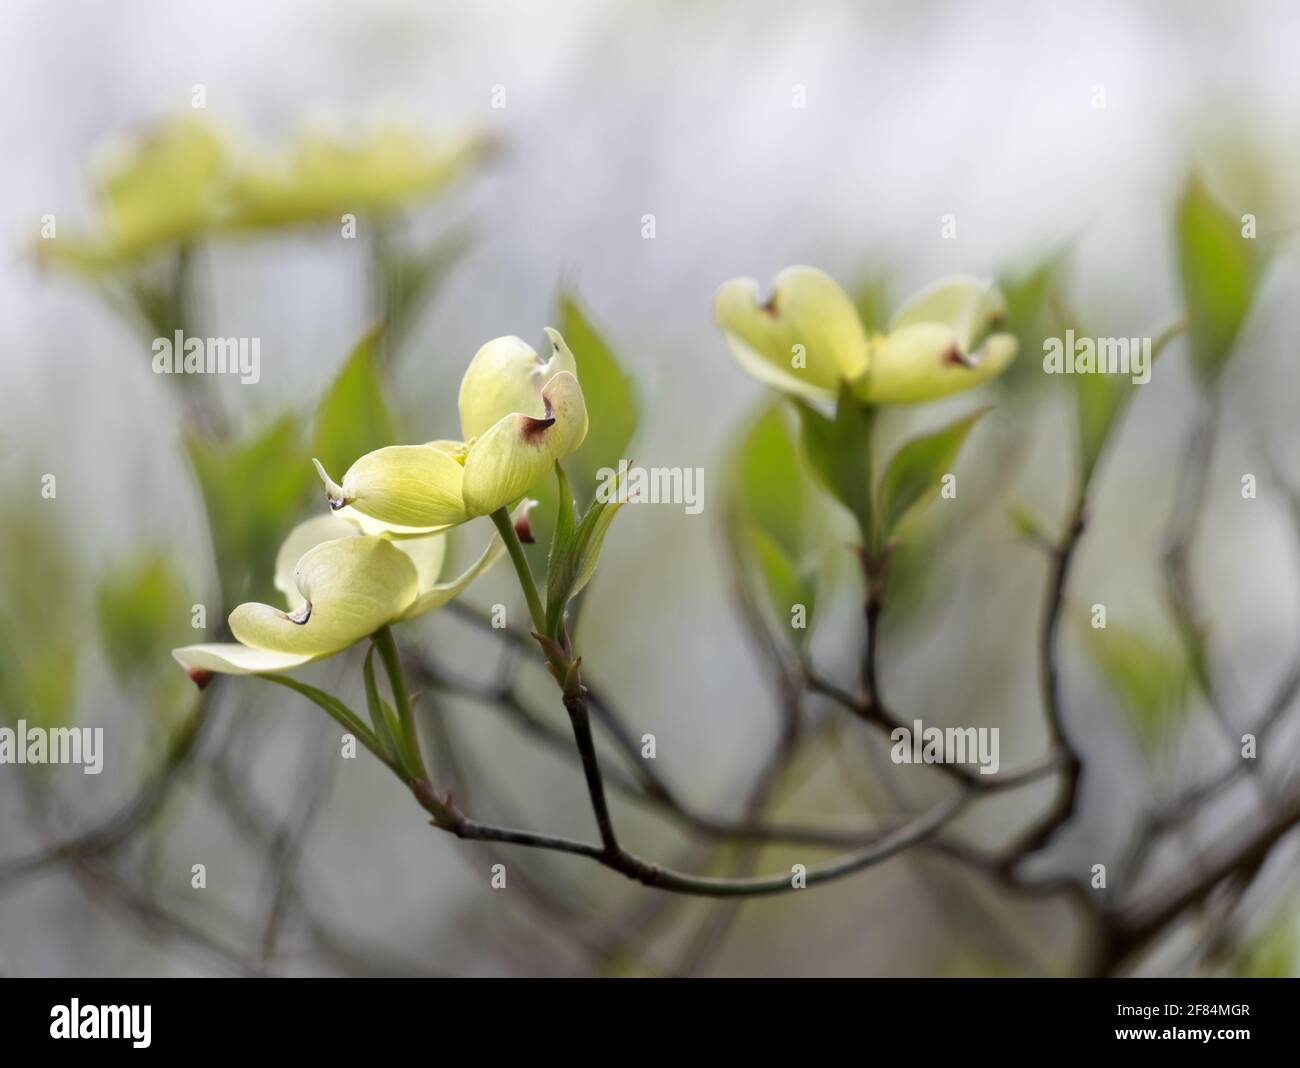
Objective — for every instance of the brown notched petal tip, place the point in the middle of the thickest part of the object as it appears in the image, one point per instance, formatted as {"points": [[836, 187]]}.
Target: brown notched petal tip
{"points": [[300, 615], [532, 430], [334, 495], [199, 676], [524, 529], [961, 359]]}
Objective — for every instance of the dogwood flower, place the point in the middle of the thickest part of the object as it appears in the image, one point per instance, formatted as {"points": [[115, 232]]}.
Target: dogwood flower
{"points": [[181, 179], [340, 585], [807, 338], [162, 188], [519, 415], [327, 176]]}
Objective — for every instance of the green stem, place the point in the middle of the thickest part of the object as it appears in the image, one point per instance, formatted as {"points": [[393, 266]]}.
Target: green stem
{"points": [[506, 528], [383, 639], [869, 523]]}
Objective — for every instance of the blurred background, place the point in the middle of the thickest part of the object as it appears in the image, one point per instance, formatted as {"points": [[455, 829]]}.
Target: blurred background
{"points": [[1059, 138]]}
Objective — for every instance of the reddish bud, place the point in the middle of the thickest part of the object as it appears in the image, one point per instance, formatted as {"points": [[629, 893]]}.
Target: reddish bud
{"points": [[199, 676]]}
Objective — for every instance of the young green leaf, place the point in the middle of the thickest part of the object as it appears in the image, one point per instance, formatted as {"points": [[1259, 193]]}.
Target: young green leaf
{"points": [[139, 612], [1098, 401], [251, 491], [1029, 303], [1273, 952], [384, 717], [42, 636], [1150, 678], [353, 417], [915, 472], [608, 390], [1219, 270], [786, 583], [772, 519], [565, 521], [1027, 525], [574, 560], [839, 453], [768, 483]]}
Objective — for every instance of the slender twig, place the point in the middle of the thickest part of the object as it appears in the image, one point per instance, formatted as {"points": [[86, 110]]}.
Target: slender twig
{"points": [[447, 817], [1040, 833], [1138, 924], [655, 789], [610, 853], [576, 705], [1184, 524]]}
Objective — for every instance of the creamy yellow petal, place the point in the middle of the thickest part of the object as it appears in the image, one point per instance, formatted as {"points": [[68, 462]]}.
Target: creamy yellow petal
{"points": [[506, 376], [369, 525], [231, 658], [803, 339], [966, 305], [411, 486], [307, 535], [328, 175], [924, 361], [351, 587], [161, 188], [436, 595], [427, 553], [503, 464]]}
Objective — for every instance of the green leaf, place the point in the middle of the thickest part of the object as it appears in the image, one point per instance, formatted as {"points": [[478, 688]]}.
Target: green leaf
{"points": [[773, 519], [1150, 677], [916, 579], [768, 481], [1273, 952], [787, 584], [610, 394], [1219, 269], [611, 398], [839, 453], [564, 521], [1029, 317], [1027, 524], [41, 615], [1098, 401], [352, 418], [252, 491], [917, 469], [139, 613], [574, 558], [383, 717]]}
